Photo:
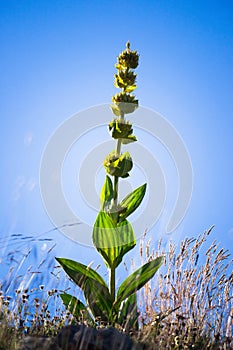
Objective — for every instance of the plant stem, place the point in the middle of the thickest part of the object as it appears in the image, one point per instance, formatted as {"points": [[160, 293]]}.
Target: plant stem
{"points": [[115, 190], [118, 150], [116, 178], [112, 282], [112, 277]]}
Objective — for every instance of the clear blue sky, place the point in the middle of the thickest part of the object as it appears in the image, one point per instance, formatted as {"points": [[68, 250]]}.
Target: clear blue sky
{"points": [[57, 58]]}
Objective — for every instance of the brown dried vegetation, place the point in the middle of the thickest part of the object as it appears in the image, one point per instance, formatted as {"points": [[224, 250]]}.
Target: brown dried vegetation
{"points": [[188, 305]]}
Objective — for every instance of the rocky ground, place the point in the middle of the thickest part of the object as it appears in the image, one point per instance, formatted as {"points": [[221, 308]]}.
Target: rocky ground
{"points": [[81, 337]]}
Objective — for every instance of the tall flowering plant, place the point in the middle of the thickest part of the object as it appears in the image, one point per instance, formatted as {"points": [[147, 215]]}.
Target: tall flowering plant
{"points": [[113, 235]]}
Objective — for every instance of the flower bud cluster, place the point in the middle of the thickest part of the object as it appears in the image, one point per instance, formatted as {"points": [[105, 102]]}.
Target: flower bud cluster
{"points": [[122, 130], [118, 165], [125, 79], [128, 58]]}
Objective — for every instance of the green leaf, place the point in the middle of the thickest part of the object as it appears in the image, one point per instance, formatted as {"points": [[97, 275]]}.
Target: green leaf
{"points": [[75, 306], [132, 201], [112, 241], [138, 279], [128, 314], [106, 194], [94, 287], [127, 239], [99, 301], [79, 273]]}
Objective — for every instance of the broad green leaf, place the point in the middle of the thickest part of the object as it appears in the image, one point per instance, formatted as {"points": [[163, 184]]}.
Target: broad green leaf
{"points": [[106, 194], [128, 314], [94, 287], [75, 306], [132, 201], [79, 272], [112, 241], [127, 239], [138, 279], [99, 301]]}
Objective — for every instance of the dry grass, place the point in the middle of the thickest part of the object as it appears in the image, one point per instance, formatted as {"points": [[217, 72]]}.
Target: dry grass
{"points": [[29, 296], [188, 305]]}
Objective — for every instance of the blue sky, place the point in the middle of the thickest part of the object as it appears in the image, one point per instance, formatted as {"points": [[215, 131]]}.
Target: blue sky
{"points": [[57, 58]]}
